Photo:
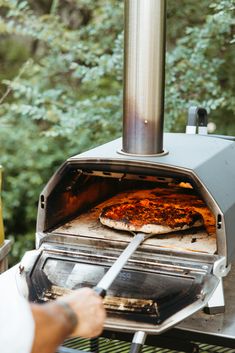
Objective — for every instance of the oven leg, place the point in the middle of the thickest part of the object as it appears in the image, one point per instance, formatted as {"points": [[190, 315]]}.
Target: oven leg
{"points": [[94, 345], [216, 304], [138, 342]]}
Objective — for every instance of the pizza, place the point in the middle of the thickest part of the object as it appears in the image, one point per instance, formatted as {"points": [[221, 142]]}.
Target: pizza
{"points": [[150, 215], [163, 209]]}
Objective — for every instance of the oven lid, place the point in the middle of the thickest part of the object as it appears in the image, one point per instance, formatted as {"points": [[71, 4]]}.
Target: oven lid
{"points": [[153, 296]]}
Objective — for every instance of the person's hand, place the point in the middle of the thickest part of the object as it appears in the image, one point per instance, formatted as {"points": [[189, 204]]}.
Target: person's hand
{"points": [[90, 311]]}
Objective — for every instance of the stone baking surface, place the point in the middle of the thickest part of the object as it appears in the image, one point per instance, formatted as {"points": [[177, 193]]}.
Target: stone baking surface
{"points": [[88, 225]]}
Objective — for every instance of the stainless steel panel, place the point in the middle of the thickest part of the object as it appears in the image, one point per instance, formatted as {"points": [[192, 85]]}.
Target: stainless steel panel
{"points": [[220, 325], [176, 290]]}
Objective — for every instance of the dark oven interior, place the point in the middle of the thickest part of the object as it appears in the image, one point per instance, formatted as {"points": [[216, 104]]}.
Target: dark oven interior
{"points": [[78, 195], [80, 189]]}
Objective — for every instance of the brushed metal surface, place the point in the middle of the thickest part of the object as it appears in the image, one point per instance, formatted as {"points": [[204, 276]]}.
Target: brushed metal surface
{"points": [[219, 325], [144, 66], [72, 272]]}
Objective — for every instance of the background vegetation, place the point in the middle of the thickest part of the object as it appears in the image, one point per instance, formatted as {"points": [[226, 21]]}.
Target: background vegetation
{"points": [[61, 86]]}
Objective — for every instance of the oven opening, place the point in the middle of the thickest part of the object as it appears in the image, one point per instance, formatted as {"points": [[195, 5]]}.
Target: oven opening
{"points": [[75, 204]]}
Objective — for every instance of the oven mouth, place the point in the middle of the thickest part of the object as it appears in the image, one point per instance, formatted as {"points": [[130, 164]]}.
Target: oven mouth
{"points": [[74, 207]]}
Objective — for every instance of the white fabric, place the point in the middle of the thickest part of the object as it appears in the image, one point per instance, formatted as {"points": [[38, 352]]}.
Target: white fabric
{"points": [[16, 320]]}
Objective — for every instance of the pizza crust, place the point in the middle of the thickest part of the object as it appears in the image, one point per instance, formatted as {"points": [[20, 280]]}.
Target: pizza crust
{"points": [[149, 216], [146, 228]]}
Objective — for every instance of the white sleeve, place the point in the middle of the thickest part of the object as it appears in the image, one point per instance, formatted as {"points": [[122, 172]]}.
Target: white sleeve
{"points": [[16, 319]]}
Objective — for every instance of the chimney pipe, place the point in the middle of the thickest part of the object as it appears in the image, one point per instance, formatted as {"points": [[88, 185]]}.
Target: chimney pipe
{"points": [[144, 76]]}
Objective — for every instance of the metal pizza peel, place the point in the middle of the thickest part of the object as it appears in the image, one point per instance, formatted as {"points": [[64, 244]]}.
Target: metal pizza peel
{"points": [[107, 280]]}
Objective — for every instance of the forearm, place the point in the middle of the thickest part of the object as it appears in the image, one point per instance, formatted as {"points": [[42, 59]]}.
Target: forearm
{"points": [[79, 314], [51, 327]]}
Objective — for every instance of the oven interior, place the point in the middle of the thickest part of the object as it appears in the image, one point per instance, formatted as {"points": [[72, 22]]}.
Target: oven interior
{"points": [[73, 204]]}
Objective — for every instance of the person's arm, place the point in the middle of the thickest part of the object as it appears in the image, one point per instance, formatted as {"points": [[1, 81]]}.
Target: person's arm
{"points": [[53, 323]]}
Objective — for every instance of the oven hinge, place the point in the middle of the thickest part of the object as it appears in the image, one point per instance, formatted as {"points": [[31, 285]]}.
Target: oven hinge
{"points": [[220, 268]]}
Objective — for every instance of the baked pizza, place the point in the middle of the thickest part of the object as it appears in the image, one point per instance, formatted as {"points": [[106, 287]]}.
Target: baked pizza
{"points": [[158, 210], [148, 215]]}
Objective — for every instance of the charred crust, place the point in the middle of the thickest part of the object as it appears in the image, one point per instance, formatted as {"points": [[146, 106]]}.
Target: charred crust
{"points": [[140, 212]]}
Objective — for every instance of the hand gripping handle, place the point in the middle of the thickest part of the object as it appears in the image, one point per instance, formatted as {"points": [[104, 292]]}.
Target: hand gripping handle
{"points": [[100, 291]]}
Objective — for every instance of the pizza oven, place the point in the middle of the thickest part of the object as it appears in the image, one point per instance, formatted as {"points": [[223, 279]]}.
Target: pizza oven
{"points": [[170, 276]]}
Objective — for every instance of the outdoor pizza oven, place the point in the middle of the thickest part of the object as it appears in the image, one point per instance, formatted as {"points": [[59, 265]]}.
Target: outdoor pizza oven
{"points": [[170, 276]]}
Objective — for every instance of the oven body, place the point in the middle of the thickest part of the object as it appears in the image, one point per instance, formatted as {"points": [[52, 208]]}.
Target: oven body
{"points": [[74, 250], [206, 162]]}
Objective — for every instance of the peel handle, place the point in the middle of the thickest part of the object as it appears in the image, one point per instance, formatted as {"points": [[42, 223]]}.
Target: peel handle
{"points": [[118, 265], [100, 291]]}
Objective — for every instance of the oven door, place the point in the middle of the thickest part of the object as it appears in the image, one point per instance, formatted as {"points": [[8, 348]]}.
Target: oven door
{"points": [[151, 295]]}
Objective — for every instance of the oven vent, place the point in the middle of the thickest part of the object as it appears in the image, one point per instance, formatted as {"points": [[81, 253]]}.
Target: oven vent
{"points": [[144, 67]]}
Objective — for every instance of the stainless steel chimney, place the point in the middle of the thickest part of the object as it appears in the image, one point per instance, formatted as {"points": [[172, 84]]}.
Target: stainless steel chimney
{"points": [[144, 67]]}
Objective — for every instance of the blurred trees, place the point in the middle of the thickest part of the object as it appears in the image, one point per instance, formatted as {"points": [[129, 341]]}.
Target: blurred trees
{"points": [[61, 85], [201, 62]]}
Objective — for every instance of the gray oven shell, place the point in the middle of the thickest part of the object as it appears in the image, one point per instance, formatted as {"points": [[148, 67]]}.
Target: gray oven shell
{"points": [[208, 161]]}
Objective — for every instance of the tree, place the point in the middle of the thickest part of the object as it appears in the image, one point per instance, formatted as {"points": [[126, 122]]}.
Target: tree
{"points": [[201, 69]]}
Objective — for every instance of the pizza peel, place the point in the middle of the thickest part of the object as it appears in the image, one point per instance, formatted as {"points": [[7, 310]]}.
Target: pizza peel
{"points": [[115, 269], [107, 280]]}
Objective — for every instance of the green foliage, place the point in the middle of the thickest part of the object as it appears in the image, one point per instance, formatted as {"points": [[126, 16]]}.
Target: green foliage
{"points": [[61, 85], [201, 68]]}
